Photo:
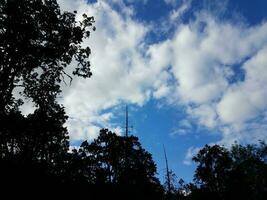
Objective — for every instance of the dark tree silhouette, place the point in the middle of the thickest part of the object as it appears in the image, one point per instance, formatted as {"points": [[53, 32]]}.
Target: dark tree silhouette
{"points": [[170, 185], [214, 164], [236, 173], [37, 43], [120, 164], [248, 177]]}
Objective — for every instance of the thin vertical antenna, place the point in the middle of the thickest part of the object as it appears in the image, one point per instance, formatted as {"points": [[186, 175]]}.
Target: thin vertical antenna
{"points": [[126, 122], [167, 171]]}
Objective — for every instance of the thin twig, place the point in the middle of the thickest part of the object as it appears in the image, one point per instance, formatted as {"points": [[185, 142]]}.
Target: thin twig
{"points": [[68, 76]]}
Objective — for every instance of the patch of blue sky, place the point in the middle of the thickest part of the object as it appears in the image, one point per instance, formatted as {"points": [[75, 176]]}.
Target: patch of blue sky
{"points": [[253, 11], [155, 126]]}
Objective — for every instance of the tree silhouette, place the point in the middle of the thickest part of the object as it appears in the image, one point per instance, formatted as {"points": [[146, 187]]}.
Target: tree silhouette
{"points": [[170, 185], [236, 173], [37, 42], [131, 174], [248, 177], [214, 164]]}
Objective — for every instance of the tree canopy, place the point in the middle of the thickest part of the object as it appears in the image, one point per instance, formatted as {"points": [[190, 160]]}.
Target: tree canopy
{"points": [[239, 172], [37, 43], [118, 164]]}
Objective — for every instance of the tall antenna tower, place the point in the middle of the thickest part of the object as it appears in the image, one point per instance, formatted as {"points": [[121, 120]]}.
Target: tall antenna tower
{"points": [[167, 171]]}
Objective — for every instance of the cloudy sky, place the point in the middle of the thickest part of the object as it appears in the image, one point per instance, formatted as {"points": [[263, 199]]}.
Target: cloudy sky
{"points": [[191, 71]]}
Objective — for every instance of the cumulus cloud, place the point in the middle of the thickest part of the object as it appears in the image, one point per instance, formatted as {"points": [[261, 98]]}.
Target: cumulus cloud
{"points": [[123, 71], [198, 67], [245, 100], [207, 56]]}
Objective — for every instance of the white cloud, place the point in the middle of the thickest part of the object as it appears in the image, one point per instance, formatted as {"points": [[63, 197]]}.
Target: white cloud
{"points": [[204, 55], [201, 57], [205, 114], [191, 152], [122, 71], [246, 99], [199, 78], [235, 106], [184, 127], [177, 13]]}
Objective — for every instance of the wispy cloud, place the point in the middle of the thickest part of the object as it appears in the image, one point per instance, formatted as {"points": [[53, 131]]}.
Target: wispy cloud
{"points": [[191, 152], [183, 128], [178, 12]]}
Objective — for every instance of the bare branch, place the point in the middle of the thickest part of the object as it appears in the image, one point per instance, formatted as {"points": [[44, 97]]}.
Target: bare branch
{"points": [[67, 76]]}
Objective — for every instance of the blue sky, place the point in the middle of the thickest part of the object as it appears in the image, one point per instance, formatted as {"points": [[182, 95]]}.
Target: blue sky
{"points": [[193, 72]]}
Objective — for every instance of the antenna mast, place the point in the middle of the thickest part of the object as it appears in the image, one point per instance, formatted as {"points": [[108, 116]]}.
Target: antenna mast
{"points": [[167, 171]]}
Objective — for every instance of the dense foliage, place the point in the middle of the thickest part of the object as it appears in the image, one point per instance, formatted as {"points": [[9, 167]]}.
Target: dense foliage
{"points": [[37, 42], [239, 172]]}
